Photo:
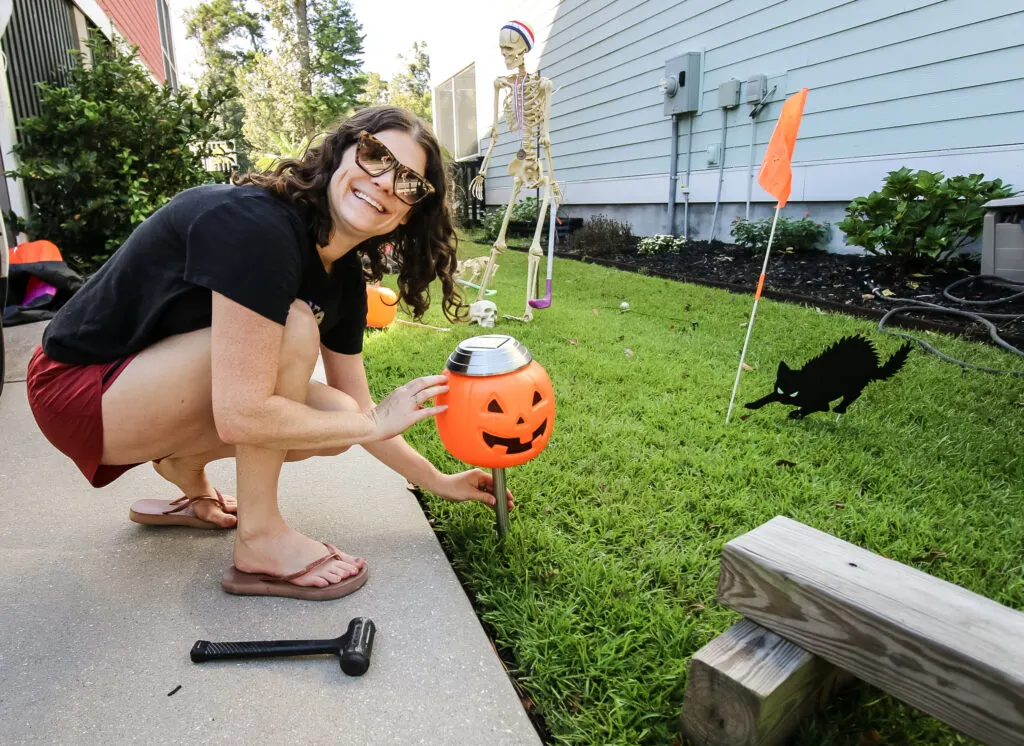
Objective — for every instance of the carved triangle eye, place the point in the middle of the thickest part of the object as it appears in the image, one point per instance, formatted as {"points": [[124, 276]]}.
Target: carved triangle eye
{"points": [[495, 407], [536, 398]]}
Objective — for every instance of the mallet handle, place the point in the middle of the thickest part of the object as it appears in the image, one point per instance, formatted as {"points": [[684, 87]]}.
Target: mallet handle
{"points": [[205, 650], [354, 647]]}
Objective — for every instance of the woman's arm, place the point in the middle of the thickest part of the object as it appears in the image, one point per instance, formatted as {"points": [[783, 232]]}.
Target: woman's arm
{"points": [[246, 355], [347, 373]]}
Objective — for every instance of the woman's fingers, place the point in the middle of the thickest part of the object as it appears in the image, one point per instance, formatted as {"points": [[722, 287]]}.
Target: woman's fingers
{"points": [[422, 414], [418, 384], [428, 394]]}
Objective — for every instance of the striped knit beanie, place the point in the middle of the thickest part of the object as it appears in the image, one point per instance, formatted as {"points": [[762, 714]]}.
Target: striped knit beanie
{"points": [[523, 30]]}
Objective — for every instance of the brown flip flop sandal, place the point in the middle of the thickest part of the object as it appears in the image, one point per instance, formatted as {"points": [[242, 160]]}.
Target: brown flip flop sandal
{"points": [[164, 513], [263, 584]]}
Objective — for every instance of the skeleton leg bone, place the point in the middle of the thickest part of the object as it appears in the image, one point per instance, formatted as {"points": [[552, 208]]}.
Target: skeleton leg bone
{"points": [[536, 252], [499, 243]]}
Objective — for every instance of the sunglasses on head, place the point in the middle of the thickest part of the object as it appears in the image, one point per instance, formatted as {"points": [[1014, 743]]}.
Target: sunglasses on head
{"points": [[375, 159]]}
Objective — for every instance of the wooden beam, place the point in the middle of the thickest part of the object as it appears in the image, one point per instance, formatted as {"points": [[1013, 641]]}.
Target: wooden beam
{"points": [[750, 687], [954, 654]]}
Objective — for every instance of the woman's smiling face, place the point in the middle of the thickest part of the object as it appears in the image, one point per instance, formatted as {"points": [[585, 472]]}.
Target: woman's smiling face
{"points": [[363, 206]]}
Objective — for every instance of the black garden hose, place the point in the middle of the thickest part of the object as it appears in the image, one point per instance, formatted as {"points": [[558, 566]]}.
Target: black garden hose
{"points": [[985, 319]]}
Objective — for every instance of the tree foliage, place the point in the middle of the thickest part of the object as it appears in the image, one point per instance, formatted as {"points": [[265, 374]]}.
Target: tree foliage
{"points": [[409, 89], [230, 35], [295, 65], [107, 150]]}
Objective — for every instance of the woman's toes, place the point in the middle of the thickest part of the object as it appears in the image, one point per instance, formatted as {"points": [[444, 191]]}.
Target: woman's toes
{"points": [[224, 520], [209, 510]]}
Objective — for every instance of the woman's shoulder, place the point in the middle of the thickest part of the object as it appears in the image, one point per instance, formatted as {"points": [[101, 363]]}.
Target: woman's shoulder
{"points": [[244, 201]]}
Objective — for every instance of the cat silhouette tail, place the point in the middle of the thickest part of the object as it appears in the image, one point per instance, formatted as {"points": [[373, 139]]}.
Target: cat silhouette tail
{"points": [[892, 367]]}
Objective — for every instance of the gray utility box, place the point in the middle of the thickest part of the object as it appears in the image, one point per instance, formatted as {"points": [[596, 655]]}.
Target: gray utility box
{"points": [[681, 84], [1002, 239]]}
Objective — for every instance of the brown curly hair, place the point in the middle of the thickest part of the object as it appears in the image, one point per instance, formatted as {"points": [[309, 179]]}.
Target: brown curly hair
{"points": [[424, 248]]}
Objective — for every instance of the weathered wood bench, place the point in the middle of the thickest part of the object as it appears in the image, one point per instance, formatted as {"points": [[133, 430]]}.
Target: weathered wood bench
{"points": [[818, 610]]}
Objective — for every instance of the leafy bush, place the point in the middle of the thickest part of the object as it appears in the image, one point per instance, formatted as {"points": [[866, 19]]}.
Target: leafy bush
{"points": [[105, 152], [525, 210], [919, 217], [660, 244], [802, 235], [490, 223], [602, 236]]}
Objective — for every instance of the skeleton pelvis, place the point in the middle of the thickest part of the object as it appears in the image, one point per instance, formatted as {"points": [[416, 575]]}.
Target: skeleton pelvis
{"points": [[528, 173]]}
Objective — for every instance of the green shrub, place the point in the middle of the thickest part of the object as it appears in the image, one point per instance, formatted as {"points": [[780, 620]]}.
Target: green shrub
{"points": [[105, 152], [490, 223], [660, 244], [799, 235], [919, 217], [602, 236], [525, 210]]}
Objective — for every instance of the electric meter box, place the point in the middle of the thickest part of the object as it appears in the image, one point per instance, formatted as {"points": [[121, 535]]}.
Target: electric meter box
{"points": [[681, 84]]}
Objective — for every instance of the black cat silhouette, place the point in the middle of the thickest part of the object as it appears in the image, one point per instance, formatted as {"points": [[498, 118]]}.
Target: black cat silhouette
{"points": [[842, 370]]}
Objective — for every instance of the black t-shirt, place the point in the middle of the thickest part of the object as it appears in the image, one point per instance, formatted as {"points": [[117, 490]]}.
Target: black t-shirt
{"points": [[240, 241]]}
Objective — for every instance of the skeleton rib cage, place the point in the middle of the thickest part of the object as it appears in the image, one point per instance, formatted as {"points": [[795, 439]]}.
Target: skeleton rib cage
{"points": [[524, 112]]}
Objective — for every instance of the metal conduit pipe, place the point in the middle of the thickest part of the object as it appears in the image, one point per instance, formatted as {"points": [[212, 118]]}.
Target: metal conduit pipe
{"points": [[755, 109], [721, 175], [750, 163], [673, 176], [686, 184]]}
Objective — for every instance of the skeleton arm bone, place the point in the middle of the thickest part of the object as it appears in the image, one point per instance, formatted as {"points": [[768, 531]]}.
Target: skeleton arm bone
{"points": [[476, 188], [545, 140]]}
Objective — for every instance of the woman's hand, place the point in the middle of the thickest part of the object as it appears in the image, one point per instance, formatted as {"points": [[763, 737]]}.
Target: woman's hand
{"points": [[404, 406], [474, 484]]}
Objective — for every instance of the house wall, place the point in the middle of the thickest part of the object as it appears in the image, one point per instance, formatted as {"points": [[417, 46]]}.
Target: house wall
{"points": [[934, 84], [136, 20]]}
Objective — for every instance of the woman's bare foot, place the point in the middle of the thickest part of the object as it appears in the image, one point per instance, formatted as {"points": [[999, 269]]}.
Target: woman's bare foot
{"points": [[284, 551], [190, 477]]}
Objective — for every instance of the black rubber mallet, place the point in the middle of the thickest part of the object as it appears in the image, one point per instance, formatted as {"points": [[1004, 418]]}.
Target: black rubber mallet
{"points": [[354, 648]]}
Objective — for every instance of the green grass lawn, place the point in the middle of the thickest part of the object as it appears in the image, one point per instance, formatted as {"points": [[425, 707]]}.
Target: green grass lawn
{"points": [[605, 585]]}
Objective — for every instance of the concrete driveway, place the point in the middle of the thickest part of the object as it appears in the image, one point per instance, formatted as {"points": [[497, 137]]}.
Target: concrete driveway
{"points": [[99, 614]]}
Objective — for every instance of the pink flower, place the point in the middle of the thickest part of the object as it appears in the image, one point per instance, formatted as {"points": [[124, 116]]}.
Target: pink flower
{"points": [[807, 214]]}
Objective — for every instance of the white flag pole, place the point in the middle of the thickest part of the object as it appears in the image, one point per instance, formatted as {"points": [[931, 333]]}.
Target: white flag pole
{"points": [[753, 312]]}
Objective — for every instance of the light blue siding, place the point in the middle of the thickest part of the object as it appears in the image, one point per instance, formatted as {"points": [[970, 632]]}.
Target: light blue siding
{"points": [[886, 77]]}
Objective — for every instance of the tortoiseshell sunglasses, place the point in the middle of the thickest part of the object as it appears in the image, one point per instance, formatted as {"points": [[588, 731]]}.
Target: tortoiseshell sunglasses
{"points": [[375, 159]]}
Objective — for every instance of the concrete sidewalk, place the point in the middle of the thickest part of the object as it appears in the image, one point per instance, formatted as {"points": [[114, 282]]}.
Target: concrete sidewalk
{"points": [[99, 614]]}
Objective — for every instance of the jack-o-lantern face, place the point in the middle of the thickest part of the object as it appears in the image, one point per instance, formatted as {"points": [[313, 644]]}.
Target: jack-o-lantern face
{"points": [[497, 421]]}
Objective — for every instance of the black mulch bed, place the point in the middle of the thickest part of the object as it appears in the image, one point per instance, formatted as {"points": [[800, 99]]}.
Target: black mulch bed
{"points": [[837, 282]]}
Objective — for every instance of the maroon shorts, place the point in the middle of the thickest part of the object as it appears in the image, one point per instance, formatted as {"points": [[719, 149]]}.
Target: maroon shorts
{"points": [[66, 401]]}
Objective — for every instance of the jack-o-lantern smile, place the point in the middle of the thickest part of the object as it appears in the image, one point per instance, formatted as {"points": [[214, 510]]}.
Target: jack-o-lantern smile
{"points": [[514, 445], [498, 421]]}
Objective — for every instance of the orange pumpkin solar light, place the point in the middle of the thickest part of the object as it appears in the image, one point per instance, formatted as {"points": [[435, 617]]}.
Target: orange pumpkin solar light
{"points": [[501, 409], [381, 306]]}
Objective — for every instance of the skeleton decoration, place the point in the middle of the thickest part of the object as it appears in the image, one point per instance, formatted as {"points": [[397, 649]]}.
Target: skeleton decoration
{"points": [[483, 312], [527, 107], [474, 267]]}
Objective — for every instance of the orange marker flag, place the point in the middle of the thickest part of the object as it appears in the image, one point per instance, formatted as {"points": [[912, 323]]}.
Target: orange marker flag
{"points": [[776, 175]]}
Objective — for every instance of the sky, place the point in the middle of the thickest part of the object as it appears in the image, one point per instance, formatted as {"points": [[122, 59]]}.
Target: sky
{"points": [[390, 27]]}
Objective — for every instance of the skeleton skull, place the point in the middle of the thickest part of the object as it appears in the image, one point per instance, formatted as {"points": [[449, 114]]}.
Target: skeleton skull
{"points": [[513, 48], [483, 312]]}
